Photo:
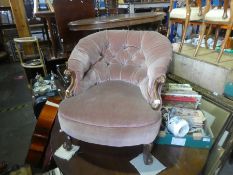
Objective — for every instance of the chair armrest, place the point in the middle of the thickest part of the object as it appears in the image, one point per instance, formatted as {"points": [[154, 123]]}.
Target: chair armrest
{"points": [[70, 89], [157, 102]]}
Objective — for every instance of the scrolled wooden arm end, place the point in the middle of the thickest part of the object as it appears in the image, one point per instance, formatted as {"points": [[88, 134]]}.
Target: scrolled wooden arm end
{"points": [[157, 100], [69, 90]]}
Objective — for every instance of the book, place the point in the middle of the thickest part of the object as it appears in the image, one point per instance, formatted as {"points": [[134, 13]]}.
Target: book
{"points": [[175, 86], [179, 98], [180, 95], [188, 105]]}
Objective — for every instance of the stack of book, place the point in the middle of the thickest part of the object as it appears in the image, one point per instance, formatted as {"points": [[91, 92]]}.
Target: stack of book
{"points": [[183, 101], [180, 95]]}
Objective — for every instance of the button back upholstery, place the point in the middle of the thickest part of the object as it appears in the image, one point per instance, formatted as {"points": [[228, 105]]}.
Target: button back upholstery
{"points": [[114, 86]]}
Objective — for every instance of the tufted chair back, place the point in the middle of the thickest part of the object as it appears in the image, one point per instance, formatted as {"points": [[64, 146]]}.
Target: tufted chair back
{"points": [[136, 57]]}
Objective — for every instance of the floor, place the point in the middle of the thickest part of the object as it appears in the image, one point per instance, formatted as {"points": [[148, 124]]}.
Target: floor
{"points": [[206, 55], [17, 120], [16, 115]]}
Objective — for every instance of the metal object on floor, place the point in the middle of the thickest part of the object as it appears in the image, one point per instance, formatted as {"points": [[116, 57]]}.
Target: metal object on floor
{"points": [[29, 53]]}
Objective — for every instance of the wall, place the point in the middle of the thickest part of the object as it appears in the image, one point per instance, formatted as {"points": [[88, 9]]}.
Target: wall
{"points": [[206, 75]]}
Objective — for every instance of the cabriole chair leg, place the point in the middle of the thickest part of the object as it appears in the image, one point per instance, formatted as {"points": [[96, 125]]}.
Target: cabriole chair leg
{"points": [[67, 145], [147, 156]]}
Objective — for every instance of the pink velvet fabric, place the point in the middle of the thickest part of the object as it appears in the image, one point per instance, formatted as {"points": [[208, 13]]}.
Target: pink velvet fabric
{"points": [[137, 57], [114, 113], [124, 66]]}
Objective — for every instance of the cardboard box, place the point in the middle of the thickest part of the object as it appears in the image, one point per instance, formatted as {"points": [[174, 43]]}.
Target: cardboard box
{"points": [[190, 140]]}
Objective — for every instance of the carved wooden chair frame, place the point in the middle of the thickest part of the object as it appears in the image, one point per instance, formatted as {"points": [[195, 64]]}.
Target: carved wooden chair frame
{"points": [[147, 148]]}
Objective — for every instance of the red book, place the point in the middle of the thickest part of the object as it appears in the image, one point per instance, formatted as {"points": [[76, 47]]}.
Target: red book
{"points": [[179, 98]]}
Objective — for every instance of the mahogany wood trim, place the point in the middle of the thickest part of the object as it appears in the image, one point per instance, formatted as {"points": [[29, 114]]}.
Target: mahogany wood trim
{"points": [[69, 90], [121, 20], [156, 104]]}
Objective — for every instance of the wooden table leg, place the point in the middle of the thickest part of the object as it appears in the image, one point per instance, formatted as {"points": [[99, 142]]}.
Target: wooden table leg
{"points": [[53, 43]]}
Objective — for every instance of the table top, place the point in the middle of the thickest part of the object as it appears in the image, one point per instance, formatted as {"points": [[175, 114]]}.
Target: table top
{"points": [[155, 3], [120, 20], [94, 159]]}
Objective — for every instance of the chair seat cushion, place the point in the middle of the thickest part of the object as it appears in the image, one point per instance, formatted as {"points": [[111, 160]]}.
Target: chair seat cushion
{"points": [[215, 15], [112, 113], [180, 13]]}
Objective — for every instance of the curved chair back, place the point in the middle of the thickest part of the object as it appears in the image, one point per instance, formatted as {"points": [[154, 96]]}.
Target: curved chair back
{"points": [[137, 57]]}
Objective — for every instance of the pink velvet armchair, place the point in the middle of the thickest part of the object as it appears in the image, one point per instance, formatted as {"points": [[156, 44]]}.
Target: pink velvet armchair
{"points": [[114, 96]]}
